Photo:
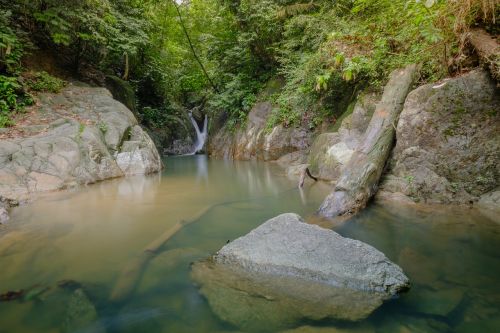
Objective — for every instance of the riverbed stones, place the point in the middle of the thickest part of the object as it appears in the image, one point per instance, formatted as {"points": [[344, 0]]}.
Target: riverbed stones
{"points": [[4, 210], [287, 270], [88, 136], [447, 141], [434, 302], [81, 314]]}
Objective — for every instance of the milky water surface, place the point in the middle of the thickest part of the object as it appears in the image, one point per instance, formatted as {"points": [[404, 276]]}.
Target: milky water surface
{"points": [[88, 236]]}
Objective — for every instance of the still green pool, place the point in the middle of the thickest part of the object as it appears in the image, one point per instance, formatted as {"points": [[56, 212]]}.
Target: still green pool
{"points": [[65, 252]]}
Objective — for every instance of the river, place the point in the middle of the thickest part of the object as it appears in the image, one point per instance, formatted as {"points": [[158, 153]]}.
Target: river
{"points": [[82, 239]]}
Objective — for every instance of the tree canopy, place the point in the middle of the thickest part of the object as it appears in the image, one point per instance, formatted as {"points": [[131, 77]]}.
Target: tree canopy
{"points": [[221, 53]]}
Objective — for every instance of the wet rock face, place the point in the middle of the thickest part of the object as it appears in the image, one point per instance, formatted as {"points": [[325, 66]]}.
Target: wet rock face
{"points": [[288, 270], [331, 151], [83, 136], [447, 141], [255, 142]]}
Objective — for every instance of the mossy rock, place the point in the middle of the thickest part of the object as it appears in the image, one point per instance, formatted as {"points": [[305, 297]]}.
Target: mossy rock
{"points": [[122, 91]]}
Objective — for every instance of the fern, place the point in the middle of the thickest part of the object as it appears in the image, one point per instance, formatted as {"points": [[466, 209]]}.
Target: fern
{"points": [[296, 9]]}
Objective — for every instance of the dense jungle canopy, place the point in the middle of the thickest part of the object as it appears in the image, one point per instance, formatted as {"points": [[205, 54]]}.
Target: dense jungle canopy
{"points": [[220, 54]]}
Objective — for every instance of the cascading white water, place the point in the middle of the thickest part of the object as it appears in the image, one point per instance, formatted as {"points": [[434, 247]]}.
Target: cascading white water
{"points": [[201, 136]]}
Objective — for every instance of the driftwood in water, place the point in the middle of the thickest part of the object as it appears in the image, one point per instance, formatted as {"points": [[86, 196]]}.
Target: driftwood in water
{"points": [[488, 50], [358, 182], [303, 175], [11, 295], [132, 273]]}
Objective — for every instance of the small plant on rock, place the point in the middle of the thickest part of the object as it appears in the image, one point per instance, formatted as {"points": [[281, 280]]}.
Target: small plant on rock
{"points": [[103, 127], [44, 82]]}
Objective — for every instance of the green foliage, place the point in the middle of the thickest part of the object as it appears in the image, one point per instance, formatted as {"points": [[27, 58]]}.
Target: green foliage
{"points": [[44, 82], [11, 45], [103, 127], [12, 99], [58, 28], [328, 54], [8, 99], [326, 51]]}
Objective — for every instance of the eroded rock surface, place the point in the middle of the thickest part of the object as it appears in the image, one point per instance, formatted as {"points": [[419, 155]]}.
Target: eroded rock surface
{"points": [[81, 136], [331, 151], [448, 141], [286, 245], [287, 270], [255, 142]]}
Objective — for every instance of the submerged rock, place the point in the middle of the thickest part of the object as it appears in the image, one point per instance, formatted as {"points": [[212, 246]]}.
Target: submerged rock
{"points": [[287, 270], [81, 314], [261, 302], [434, 302]]}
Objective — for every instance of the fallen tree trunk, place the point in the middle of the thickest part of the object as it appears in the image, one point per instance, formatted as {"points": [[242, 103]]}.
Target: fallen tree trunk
{"points": [[488, 50], [132, 273], [303, 175], [359, 180]]}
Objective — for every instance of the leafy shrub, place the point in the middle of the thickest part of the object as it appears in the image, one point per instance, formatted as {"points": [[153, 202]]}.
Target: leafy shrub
{"points": [[44, 82], [12, 99], [11, 45], [8, 99]]}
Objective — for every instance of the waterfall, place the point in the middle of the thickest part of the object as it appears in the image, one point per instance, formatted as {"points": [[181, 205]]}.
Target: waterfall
{"points": [[201, 136]]}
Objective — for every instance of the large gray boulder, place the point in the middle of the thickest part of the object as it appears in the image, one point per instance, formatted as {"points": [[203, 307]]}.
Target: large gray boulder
{"points": [[448, 142], [79, 136], [286, 245], [287, 270]]}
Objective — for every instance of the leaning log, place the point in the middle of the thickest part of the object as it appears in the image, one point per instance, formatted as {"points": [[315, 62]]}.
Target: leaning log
{"points": [[488, 50], [359, 180], [303, 175]]}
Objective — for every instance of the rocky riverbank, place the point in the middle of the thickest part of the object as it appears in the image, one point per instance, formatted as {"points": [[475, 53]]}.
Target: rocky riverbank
{"points": [[446, 149], [76, 137]]}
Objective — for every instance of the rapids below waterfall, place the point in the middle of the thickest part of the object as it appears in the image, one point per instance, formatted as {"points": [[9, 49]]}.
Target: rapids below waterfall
{"points": [[82, 239]]}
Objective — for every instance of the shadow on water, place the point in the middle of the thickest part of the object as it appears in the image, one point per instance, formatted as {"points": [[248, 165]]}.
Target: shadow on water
{"points": [[88, 235]]}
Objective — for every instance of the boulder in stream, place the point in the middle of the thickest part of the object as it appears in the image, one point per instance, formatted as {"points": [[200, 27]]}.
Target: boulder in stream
{"points": [[287, 270]]}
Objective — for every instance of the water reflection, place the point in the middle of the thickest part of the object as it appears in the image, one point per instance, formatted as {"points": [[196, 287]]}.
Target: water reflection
{"points": [[202, 168], [88, 235]]}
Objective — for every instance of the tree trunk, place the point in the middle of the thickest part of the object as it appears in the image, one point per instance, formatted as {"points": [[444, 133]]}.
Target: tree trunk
{"points": [[125, 74], [359, 180], [132, 273], [488, 50]]}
